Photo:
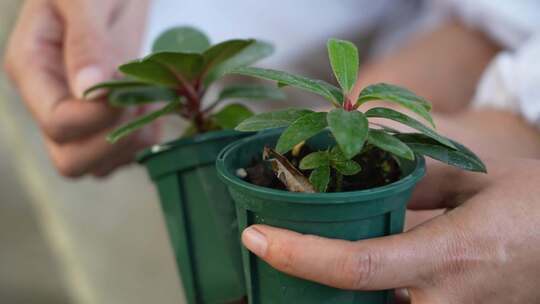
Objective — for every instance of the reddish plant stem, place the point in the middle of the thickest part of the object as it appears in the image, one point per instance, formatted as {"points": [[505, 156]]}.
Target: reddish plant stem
{"points": [[353, 95], [348, 105]]}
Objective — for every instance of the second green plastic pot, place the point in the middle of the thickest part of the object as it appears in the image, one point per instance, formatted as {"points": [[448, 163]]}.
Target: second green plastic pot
{"points": [[354, 215], [200, 216]]}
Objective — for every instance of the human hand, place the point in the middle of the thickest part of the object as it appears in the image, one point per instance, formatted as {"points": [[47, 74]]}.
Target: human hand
{"points": [[485, 250], [57, 50]]}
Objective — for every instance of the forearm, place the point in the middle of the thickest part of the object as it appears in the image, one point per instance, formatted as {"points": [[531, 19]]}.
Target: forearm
{"points": [[444, 65], [492, 132]]}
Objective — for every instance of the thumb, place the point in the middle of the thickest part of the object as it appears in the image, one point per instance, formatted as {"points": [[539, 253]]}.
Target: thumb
{"points": [[85, 49], [398, 261]]}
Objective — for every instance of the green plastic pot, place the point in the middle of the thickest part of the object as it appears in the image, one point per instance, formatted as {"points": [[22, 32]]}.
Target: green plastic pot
{"points": [[200, 216], [354, 215]]}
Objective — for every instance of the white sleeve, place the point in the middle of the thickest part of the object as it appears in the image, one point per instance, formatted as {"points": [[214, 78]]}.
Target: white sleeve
{"points": [[512, 82], [509, 22]]}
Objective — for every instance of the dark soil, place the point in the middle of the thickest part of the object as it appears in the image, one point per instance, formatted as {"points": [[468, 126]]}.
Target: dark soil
{"points": [[379, 168]]}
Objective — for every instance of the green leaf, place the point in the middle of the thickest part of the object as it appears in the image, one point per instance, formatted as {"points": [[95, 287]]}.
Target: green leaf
{"points": [[189, 131], [247, 56], [271, 120], [390, 143], [140, 95], [462, 157], [315, 160], [398, 95], [115, 84], [349, 167], [165, 68], [319, 87], [301, 129], [343, 165], [185, 39], [320, 177], [350, 129], [221, 52], [409, 121], [344, 61], [231, 115], [251, 91], [141, 122]]}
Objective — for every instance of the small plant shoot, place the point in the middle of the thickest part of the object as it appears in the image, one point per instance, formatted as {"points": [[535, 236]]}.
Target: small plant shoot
{"points": [[356, 138], [182, 66]]}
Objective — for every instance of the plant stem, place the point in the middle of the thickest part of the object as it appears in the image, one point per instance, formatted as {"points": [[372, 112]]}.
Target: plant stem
{"points": [[212, 106], [339, 181], [354, 93]]}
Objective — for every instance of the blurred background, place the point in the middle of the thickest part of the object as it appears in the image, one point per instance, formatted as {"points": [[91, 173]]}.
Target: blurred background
{"points": [[103, 241], [83, 242]]}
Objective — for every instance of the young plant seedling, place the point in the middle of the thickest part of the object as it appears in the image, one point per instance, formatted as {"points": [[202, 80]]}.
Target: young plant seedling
{"points": [[351, 127], [182, 66]]}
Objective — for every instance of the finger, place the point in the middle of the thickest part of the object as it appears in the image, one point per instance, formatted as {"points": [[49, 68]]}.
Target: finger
{"points": [[128, 155], [76, 158], [87, 53], [106, 169], [35, 63], [404, 260]]}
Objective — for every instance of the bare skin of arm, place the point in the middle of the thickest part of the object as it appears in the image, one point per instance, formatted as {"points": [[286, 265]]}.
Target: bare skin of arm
{"points": [[443, 65]]}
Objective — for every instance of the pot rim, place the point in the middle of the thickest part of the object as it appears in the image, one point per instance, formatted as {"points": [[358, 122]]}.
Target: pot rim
{"points": [[232, 180], [158, 149]]}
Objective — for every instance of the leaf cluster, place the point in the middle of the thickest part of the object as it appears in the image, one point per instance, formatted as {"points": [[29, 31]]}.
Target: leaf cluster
{"points": [[182, 66], [351, 127]]}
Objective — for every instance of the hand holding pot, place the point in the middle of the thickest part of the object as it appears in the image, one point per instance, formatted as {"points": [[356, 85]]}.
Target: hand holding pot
{"points": [[485, 250], [57, 50]]}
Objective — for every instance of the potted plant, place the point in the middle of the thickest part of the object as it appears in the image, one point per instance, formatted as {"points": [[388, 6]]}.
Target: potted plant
{"points": [[198, 211], [334, 174]]}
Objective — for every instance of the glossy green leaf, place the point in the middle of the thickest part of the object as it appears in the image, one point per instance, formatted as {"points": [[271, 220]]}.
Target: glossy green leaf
{"points": [[408, 121], [344, 61], [315, 86], [389, 143], [301, 129], [350, 129], [320, 177], [142, 121], [343, 165], [461, 157], [189, 131], [184, 39], [271, 120], [251, 92], [231, 115], [165, 68], [125, 97], [115, 84], [315, 160], [247, 56], [348, 167], [398, 95], [221, 52]]}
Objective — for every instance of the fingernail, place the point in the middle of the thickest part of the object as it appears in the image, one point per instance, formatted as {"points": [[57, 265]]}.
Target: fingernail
{"points": [[255, 241], [86, 78]]}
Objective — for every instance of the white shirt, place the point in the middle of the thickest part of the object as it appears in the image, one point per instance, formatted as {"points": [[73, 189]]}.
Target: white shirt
{"points": [[299, 30], [512, 80]]}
